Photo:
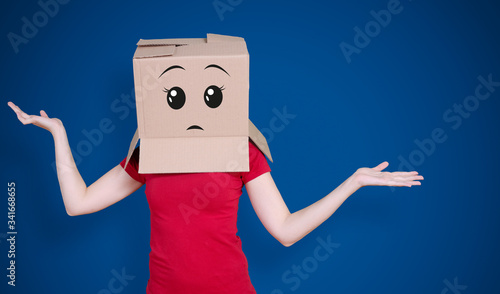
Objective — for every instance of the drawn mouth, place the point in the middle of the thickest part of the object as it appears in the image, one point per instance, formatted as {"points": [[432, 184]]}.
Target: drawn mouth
{"points": [[195, 127]]}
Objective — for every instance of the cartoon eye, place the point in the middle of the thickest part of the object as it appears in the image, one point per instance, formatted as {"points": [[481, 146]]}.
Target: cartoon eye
{"points": [[213, 96], [175, 97]]}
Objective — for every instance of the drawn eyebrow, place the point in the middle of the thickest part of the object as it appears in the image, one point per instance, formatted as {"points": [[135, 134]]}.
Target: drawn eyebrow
{"points": [[216, 66], [172, 67]]}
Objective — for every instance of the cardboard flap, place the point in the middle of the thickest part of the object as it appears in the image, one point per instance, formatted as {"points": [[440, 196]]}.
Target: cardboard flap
{"points": [[148, 51], [176, 42], [212, 38], [132, 146], [194, 155], [259, 140], [255, 135]]}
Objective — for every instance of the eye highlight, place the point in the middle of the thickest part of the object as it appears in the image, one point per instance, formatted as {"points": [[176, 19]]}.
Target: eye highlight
{"points": [[213, 96], [175, 97]]}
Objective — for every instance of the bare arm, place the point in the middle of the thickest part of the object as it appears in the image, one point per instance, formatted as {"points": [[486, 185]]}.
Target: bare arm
{"points": [[79, 199], [289, 228]]}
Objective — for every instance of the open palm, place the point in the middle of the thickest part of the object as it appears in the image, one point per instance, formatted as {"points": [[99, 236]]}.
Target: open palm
{"points": [[42, 120], [376, 177]]}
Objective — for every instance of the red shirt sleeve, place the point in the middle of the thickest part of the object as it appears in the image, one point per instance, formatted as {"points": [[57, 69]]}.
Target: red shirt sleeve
{"points": [[133, 166], [258, 164]]}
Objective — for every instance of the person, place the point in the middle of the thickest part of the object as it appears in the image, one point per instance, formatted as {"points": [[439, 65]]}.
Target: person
{"points": [[201, 237]]}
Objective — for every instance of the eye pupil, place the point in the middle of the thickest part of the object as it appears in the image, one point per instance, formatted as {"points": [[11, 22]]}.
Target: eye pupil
{"points": [[213, 96], [176, 98]]}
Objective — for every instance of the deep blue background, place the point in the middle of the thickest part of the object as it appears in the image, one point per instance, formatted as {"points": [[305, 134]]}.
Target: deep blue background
{"points": [[348, 115]]}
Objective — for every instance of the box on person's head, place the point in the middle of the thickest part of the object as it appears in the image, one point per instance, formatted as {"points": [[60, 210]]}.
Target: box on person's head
{"points": [[192, 105]]}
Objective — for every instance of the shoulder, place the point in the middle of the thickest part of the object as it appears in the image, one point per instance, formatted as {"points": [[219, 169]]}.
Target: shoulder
{"points": [[254, 152], [258, 163]]}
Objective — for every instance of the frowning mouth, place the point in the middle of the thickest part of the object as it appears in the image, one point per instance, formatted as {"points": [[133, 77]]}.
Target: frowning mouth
{"points": [[194, 127]]}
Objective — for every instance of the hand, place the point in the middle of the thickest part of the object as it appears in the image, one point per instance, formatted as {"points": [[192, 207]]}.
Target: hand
{"points": [[376, 177], [42, 120]]}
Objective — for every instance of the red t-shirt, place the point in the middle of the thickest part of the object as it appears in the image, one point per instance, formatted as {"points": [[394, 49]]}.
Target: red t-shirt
{"points": [[194, 246]]}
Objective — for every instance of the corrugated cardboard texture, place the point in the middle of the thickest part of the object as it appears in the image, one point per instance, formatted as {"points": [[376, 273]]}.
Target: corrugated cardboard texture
{"points": [[259, 140], [207, 154], [255, 135]]}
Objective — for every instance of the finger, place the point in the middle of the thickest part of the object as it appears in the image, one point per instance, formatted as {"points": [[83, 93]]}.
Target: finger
{"points": [[408, 177], [381, 166], [25, 119], [404, 184], [18, 111], [14, 107], [43, 113], [405, 173], [11, 104], [414, 183]]}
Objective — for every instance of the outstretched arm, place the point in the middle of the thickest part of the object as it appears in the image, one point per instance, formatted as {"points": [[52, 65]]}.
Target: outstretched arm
{"points": [[79, 199], [289, 228]]}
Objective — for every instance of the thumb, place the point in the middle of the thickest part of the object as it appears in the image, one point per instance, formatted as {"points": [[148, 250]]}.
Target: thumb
{"points": [[381, 166], [43, 113]]}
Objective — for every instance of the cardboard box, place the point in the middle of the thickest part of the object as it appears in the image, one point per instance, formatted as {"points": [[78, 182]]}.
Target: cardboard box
{"points": [[192, 105]]}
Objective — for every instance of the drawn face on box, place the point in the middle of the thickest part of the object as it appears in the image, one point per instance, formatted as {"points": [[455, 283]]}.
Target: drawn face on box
{"points": [[192, 105], [196, 97]]}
